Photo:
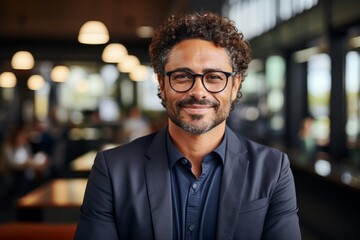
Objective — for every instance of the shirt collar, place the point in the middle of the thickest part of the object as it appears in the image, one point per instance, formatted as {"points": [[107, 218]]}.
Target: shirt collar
{"points": [[174, 155]]}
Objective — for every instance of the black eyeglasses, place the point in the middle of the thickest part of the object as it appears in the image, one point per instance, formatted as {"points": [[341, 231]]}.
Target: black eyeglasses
{"points": [[213, 81]]}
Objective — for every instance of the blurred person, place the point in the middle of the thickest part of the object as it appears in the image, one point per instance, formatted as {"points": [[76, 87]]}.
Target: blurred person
{"points": [[195, 178], [41, 138], [44, 139], [27, 168], [307, 141], [135, 125]]}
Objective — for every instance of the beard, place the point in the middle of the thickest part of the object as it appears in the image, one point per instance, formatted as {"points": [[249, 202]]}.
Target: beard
{"points": [[197, 124]]}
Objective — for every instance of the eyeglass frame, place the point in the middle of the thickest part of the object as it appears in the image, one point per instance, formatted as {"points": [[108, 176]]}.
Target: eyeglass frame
{"points": [[194, 75]]}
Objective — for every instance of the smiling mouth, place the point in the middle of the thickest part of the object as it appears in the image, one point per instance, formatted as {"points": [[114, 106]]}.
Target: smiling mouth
{"points": [[196, 108]]}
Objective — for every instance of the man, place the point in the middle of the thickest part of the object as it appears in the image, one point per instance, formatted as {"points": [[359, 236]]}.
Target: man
{"points": [[194, 179]]}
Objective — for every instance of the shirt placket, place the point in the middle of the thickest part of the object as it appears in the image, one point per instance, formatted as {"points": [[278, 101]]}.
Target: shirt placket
{"points": [[193, 207], [192, 212]]}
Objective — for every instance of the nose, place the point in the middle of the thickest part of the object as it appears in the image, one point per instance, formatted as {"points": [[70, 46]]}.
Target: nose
{"points": [[198, 90]]}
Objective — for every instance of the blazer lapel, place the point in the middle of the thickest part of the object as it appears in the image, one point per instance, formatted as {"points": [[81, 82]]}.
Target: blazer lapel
{"points": [[232, 186], [159, 187]]}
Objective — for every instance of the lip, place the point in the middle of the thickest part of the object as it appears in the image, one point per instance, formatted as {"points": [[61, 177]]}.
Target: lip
{"points": [[197, 108]]}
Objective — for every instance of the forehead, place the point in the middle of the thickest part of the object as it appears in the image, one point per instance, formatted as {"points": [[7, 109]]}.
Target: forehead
{"points": [[198, 54]]}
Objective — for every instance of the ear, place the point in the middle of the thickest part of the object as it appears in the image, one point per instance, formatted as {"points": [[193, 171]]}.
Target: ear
{"points": [[161, 81], [237, 79]]}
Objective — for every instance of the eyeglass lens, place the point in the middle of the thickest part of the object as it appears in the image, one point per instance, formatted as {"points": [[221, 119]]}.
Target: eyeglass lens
{"points": [[182, 81]]}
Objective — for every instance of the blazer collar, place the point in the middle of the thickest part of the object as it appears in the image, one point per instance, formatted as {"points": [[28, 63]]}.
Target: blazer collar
{"points": [[232, 185], [158, 182]]}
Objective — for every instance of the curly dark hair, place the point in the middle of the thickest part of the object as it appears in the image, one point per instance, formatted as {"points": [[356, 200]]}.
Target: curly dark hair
{"points": [[202, 25]]}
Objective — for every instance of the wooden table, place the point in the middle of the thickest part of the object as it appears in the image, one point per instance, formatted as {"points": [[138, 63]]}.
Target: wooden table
{"points": [[84, 162], [54, 201], [81, 165]]}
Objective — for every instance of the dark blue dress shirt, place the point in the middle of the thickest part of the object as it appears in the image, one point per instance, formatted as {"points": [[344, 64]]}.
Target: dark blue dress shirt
{"points": [[195, 201]]}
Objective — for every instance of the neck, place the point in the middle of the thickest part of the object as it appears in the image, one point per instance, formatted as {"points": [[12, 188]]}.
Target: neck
{"points": [[195, 147]]}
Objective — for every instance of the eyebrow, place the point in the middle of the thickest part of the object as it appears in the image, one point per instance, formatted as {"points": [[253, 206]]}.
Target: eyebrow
{"points": [[203, 71]]}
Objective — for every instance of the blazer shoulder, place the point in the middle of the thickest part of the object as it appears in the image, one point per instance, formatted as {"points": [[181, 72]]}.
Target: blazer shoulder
{"points": [[140, 144], [260, 154], [258, 147], [239, 144], [131, 152]]}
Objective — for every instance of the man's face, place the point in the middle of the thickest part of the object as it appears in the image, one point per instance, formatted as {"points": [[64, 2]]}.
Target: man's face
{"points": [[197, 111]]}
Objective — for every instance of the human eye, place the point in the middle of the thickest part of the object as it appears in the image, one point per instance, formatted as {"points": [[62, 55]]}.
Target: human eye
{"points": [[181, 77], [215, 77]]}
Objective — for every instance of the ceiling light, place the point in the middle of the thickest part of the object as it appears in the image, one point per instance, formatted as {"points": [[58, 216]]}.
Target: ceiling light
{"points": [[114, 53], [7, 80], [22, 60], [60, 73], [128, 64], [36, 82], [144, 31], [139, 73], [93, 32]]}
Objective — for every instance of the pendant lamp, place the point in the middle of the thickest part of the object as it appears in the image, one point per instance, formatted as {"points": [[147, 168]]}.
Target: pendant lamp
{"points": [[22, 60], [93, 32]]}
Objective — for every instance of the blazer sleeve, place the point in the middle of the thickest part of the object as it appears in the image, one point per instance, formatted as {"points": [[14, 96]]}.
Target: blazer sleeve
{"points": [[96, 213], [282, 221]]}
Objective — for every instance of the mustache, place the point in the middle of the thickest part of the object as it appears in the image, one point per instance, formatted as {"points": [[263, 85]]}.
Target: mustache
{"points": [[190, 101]]}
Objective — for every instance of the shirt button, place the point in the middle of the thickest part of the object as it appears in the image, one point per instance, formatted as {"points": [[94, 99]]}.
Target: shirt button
{"points": [[192, 227], [194, 186], [184, 161]]}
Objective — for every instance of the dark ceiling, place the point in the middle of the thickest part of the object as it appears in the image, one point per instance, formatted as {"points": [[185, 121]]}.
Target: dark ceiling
{"points": [[49, 28]]}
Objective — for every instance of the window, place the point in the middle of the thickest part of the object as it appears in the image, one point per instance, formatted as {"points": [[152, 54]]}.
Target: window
{"points": [[319, 86], [353, 102]]}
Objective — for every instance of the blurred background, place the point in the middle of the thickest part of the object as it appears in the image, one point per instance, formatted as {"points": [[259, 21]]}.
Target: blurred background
{"points": [[75, 79]]}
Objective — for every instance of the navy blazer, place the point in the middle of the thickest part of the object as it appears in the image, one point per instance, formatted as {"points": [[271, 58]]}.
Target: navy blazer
{"points": [[128, 194]]}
